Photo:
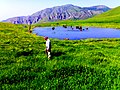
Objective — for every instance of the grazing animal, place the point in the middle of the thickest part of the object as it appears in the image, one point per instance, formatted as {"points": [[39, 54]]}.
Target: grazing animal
{"points": [[71, 27], [24, 26], [30, 31], [65, 26], [80, 28], [77, 27], [66, 38], [53, 28], [57, 23], [86, 28]]}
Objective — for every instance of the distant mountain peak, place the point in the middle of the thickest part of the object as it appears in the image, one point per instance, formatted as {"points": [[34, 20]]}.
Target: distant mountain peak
{"points": [[98, 7], [68, 5], [63, 12]]}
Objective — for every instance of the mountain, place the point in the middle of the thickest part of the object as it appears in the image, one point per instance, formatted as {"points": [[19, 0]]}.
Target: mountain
{"points": [[63, 12], [112, 15]]}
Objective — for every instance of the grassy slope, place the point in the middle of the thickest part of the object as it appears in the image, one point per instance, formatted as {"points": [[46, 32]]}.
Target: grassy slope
{"points": [[82, 64], [109, 19]]}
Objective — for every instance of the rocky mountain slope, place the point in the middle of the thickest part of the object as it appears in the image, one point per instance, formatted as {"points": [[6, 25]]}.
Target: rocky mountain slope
{"points": [[63, 12]]}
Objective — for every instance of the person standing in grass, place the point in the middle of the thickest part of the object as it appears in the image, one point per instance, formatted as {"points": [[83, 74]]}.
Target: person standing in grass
{"points": [[48, 47]]}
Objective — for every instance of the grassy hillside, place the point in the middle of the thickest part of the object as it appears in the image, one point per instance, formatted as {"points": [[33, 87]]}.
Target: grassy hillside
{"points": [[82, 64], [109, 19], [87, 23]]}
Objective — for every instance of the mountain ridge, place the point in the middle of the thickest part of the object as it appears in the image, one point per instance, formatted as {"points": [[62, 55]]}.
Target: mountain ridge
{"points": [[63, 12]]}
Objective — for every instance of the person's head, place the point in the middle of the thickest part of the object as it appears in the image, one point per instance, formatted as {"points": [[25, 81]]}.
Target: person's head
{"points": [[45, 38]]}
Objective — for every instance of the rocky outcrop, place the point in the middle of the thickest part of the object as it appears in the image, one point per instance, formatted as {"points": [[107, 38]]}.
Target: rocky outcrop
{"points": [[64, 12]]}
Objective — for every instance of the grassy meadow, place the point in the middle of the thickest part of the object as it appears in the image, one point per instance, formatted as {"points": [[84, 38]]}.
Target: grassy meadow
{"points": [[111, 16], [83, 23], [79, 64]]}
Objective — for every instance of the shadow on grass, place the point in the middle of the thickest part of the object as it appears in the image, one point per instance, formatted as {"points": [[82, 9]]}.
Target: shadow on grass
{"points": [[17, 78], [56, 54], [65, 72], [24, 53]]}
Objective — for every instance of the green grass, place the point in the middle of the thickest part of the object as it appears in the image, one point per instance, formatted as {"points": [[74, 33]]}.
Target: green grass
{"points": [[79, 64], [80, 23], [107, 17]]}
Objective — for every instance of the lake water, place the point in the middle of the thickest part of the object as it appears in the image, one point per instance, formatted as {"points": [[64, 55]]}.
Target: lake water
{"points": [[76, 34]]}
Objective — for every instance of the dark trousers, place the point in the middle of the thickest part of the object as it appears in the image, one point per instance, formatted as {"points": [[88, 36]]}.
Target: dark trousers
{"points": [[48, 53]]}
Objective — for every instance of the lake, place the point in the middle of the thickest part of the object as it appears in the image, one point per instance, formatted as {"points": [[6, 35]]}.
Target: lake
{"points": [[76, 34]]}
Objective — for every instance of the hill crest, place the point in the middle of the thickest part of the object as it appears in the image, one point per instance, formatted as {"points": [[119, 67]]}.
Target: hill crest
{"points": [[112, 15]]}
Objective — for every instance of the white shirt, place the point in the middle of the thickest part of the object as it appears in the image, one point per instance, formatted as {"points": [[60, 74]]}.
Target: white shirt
{"points": [[48, 44]]}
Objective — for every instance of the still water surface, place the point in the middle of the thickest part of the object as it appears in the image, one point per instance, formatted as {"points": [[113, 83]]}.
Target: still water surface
{"points": [[76, 34]]}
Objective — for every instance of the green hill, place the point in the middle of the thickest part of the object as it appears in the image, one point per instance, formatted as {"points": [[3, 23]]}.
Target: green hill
{"points": [[79, 64], [107, 17]]}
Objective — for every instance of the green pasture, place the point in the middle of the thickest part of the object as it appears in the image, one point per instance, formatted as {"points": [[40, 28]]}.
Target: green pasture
{"points": [[75, 65]]}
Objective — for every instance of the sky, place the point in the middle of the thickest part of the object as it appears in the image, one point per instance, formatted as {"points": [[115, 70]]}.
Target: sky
{"points": [[13, 8]]}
